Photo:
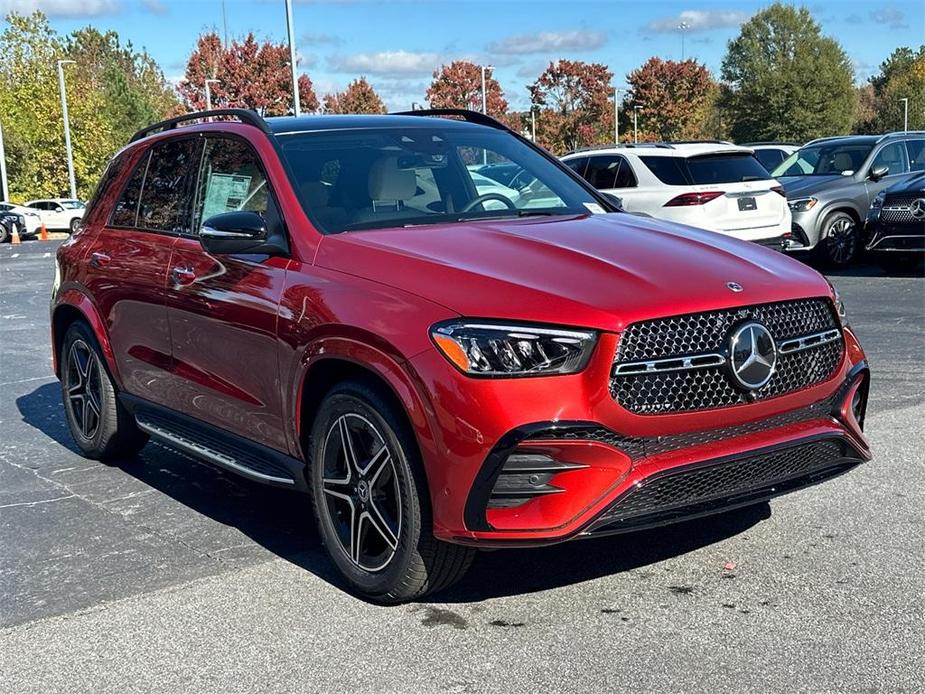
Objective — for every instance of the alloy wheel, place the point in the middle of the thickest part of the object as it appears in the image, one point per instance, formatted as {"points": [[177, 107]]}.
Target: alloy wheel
{"points": [[842, 240], [84, 388], [361, 492]]}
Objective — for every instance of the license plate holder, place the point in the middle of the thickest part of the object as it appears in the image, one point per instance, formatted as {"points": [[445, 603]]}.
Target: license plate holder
{"points": [[747, 204]]}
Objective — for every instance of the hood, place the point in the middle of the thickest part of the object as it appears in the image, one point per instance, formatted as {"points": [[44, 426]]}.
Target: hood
{"points": [[598, 271], [916, 184], [804, 186]]}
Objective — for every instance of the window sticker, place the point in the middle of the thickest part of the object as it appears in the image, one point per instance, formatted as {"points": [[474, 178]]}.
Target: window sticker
{"points": [[594, 208], [225, 193]]}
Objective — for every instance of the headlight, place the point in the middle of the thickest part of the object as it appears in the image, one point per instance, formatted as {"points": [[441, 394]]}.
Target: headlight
{"points": [[877, 202], [802, 204], [480, 348], [839, 305]]}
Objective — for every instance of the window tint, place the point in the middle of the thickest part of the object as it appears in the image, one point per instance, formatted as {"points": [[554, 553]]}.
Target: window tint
{"points": [[625, 176], [113, 169], [123, 215], [916, 150], [577, 165], [232, 180], [602, 172], [164, 197], [769, 158], [893, 156], [706, 170]]}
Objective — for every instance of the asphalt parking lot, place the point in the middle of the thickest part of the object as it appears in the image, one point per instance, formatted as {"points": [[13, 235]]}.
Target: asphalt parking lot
{"points": [[164, 574]]}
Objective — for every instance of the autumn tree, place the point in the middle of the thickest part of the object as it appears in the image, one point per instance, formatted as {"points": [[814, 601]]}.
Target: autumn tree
{"points": [[901, 76], [573, 98], [250, 75], [358, 97], [784, 80], [459, 85], [675, 99]]}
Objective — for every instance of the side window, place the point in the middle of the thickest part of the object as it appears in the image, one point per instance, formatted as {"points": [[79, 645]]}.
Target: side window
{"points": [[231, 180], [111, 173], [602, 172], [577, 165], [916, 150], [126, 209], [893, 156], [165, 194], [769, 158], [625, 176]]}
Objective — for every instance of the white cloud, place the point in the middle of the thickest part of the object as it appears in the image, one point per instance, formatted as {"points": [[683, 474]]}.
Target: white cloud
{"points": [[317, 37], [698, 20], [393, 63], [154, 6], [62, 8], [546, 41], [892, 17]]}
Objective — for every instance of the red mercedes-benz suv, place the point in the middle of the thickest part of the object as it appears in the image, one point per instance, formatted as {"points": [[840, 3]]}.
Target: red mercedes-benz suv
{"points": [[349, 306]]}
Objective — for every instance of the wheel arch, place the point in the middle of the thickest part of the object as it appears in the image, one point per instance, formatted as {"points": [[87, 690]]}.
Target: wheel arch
{"points": [[75, 306]]}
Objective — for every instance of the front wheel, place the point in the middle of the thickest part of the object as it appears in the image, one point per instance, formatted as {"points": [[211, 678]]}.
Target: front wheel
{"points": [[839, 240], [370, 499]]}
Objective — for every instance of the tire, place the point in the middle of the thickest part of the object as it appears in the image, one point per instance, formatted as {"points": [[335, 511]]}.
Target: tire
{"points": [[75, 224], [100, 425], [4, 233], [395, 503], [839, 240]]}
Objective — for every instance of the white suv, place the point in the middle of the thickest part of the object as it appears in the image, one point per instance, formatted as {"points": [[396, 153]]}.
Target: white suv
{"points": [[59, 213], [712, 185]]}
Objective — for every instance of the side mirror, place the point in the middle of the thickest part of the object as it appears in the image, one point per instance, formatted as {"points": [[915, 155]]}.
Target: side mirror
{"points": [[616, 200], [878, 173], [234, 232]]}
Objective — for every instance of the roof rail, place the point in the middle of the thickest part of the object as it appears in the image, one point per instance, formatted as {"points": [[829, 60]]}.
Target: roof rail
{"points": [[465, 114], [622, 145], [771, 142], [832, 137], [242, 114], [899, 133]]}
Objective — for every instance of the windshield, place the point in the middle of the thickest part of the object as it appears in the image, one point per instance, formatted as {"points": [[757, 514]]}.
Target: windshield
{"points": [[72, 204], [706, 170], [825, 160], [391, 177]]}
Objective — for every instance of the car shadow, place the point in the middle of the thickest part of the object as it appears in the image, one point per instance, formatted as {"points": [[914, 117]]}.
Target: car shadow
{"points": [[281, 521], [862, 267]]}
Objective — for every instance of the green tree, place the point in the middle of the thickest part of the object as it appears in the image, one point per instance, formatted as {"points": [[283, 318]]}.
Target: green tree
{"points": [[785, 80], [901, 76]]}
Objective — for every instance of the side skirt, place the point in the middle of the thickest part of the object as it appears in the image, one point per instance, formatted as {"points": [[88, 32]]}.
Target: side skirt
{"points": [[217, 446]]}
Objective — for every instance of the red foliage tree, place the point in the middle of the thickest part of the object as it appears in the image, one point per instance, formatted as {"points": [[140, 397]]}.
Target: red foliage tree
{"points": [[573, 98], [358, 97], [459, 85], [249, 74], [675, 99]]}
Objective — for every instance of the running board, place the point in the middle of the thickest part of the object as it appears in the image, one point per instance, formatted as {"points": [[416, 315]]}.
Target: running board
{"points": [[216, 446]]}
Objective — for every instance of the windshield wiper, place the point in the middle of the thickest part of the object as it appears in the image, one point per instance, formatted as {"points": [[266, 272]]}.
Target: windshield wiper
{"points": [[519, 215]]}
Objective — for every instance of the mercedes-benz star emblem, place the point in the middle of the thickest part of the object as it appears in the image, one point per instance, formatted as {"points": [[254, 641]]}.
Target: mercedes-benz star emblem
{"points": [[918, 208], [734, 286], [752, 355]]}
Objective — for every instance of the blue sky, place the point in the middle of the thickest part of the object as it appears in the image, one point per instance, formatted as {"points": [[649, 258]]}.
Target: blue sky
{"points": [[396, 44]]}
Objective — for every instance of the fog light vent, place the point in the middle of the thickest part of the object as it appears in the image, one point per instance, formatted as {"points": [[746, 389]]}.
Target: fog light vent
{"points": [[526, 475]]}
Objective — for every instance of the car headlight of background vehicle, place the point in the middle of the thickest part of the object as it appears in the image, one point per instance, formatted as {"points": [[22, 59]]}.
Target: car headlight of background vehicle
{"points": [[481, 348], [878, 201], [802, 204]]}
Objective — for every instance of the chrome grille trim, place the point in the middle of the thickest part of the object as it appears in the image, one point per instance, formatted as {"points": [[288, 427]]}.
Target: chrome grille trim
{"points": [[800, 343], [697, 361]]}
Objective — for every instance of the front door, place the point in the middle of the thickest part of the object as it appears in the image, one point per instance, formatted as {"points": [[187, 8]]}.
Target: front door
{"points": [[222, 309]]}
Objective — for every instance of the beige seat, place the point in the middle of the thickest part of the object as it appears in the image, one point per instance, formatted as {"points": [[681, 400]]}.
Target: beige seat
{"points": [[389, 188]]}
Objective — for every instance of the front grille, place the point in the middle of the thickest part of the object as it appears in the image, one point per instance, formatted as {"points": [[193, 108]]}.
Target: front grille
{"points": [[702, 488], [897, 209], [708, 387]]}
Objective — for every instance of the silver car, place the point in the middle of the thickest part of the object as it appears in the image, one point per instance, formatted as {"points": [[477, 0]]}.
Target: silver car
{"points": [[831, 182]]}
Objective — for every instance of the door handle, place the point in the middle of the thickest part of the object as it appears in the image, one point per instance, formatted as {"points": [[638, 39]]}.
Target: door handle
{"points": [[98, 259], [182, 276]]}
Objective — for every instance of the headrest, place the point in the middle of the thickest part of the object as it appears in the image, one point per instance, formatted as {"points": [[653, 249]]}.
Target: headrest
{"points": [[388, 182], [315, 193], [843, 162]]}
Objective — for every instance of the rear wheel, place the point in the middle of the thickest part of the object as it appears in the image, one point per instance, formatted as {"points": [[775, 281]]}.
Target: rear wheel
{"points": [[839, 240], [370, 499], [4, 233], [75, 225], [101, 427]]}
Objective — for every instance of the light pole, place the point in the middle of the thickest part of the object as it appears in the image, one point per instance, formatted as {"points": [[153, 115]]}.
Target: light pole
{"points": [[67, 127], [4, 189], [682, 27], [905, 114], [616, 115], [296, 109], [636, 124], [485, 69], [533, 123], [209, 93]]}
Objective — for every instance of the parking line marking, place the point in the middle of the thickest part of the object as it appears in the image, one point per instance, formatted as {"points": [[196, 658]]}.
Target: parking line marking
{"points": [[35, 503], [15, 255]]}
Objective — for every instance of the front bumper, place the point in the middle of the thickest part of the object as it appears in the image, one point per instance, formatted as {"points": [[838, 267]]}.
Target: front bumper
{"points": [[908, 238], [597, 484]]}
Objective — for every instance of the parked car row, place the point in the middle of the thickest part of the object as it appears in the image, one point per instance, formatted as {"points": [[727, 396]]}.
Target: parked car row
{"points": [[833, 196], [57, 214]]}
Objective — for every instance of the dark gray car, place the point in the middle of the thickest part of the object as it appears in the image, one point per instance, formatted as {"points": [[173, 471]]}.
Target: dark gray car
{"points": [[831, 182]]}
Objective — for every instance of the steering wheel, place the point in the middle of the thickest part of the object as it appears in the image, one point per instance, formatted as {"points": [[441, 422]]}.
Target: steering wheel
{"points": [[478, 200]]}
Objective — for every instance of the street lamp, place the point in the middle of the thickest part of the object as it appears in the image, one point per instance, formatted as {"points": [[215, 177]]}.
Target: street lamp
{"points": [[905, 114], [67, 127], [616, 115], [209, 93], [485, 69], [636, 123], [296, 108], [4, 189], [533, 122], [682, 27]]}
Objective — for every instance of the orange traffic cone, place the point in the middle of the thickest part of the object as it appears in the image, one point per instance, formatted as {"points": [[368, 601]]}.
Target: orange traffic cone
{"points": [[15, 240], [43, 233]]}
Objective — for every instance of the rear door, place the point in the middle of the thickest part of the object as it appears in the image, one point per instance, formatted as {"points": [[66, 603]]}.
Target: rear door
{"points": [[127, 265], [222, 310]]}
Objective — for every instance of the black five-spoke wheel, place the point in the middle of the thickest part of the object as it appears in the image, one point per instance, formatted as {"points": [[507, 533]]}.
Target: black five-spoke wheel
{"points": [[83, 388], [362, 496]]}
